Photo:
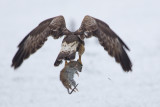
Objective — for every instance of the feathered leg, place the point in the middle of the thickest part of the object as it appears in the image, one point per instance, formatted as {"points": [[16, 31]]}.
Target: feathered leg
{"points": [[80, 52], [65, 63], [79, 60]]}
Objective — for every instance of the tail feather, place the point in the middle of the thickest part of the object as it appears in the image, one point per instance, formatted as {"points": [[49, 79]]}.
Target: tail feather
{"points": [[57, 62], [64, 56]]}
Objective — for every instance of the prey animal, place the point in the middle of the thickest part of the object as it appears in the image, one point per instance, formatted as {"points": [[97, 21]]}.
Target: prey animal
{"points": [[67, 75]]}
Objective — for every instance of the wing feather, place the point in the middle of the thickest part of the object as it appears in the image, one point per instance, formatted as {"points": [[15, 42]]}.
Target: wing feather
{"points": [[107, 38], [109, 32], [36, 38]]}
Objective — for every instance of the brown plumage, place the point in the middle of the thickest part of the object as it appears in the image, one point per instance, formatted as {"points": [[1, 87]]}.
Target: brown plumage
{"points": [[73, 41], [67, 75], [70, 45], [54, 27], [107, 38]]}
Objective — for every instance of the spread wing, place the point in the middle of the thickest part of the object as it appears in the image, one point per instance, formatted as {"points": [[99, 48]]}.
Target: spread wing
{"points": [[107, 38], [55, 27]]}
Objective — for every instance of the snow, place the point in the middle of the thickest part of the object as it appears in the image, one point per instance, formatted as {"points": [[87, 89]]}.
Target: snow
{"points": [[102, 82]]}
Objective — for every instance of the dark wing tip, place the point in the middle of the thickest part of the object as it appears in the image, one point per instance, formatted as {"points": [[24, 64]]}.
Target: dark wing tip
{"points": [[16, 62], [19, 57], [14, 66], [125, 61]]}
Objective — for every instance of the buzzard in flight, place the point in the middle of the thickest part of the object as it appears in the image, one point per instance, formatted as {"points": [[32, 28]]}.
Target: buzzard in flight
{"points": [[73, 41]]}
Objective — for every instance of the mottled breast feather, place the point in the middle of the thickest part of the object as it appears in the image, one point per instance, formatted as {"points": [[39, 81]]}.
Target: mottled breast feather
{"points": [[69, 47]]}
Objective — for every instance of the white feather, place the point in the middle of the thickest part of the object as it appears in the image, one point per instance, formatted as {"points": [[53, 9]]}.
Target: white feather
{"points": [[71, 47]]}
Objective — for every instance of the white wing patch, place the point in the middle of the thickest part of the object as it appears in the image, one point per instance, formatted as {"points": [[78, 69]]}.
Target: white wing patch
{"points": [[71, 47]]}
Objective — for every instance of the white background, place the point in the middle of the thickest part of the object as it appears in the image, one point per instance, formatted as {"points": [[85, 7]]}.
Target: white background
{"points": [[102, 82]]}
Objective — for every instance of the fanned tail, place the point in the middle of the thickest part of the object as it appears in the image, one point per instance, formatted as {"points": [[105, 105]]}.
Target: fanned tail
{"points": [[64, 56]]}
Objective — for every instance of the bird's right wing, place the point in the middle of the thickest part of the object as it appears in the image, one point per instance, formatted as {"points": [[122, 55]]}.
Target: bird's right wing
{"points": [[55, 27], [111, 42]]}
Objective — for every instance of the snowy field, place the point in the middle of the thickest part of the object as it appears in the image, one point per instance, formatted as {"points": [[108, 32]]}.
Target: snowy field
{"points": [[102, 82]]}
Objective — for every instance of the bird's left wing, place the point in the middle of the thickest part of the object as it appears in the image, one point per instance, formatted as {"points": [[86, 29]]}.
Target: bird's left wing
{"points": [[54, 27], [107, 38]]}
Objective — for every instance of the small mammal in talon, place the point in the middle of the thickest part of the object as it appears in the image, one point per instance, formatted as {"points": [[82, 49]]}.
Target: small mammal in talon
{"points": [[67, 75]]}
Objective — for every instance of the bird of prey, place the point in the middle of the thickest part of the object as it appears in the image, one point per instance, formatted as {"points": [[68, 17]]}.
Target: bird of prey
{"points": [[73, 41]]}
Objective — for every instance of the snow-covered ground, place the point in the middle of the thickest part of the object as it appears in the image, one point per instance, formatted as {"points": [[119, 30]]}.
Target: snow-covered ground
{"points": [[102, 82]]}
